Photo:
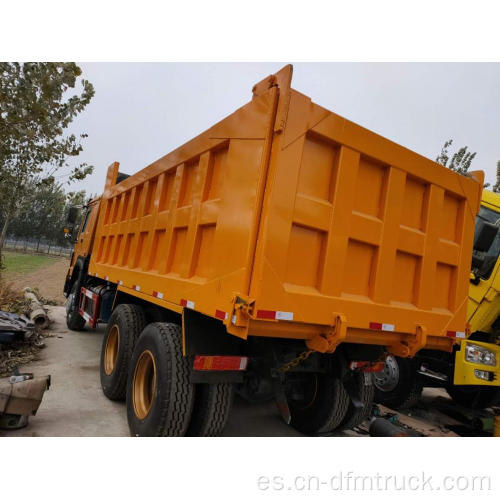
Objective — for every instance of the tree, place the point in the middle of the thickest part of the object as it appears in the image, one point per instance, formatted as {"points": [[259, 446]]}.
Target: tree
{"points": [[496, 187], [460, 161], [36, 107], [43, 213]]}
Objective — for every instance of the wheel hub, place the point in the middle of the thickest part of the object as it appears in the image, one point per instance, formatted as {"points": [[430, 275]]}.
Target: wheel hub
{"points": [[111, 350], [388, 378], [144, 384]]}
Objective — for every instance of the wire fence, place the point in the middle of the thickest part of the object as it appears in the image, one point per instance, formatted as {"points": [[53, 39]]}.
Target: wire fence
{"points": [[40, 247]]}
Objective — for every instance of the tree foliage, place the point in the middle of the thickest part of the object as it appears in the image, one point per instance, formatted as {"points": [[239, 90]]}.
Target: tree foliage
{"points": [[38, 101], [459, 162], [43, 213], [496, 187]]}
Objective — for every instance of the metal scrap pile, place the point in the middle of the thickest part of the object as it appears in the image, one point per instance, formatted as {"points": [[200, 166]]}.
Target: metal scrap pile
{"points": [[20, 337], [19, 341]]}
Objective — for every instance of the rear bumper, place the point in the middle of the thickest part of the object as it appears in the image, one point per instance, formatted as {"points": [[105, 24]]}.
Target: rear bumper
{"points": [[395, 342], [466, 372]]}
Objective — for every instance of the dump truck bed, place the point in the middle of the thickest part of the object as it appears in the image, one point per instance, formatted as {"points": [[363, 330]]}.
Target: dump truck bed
{"points": [[285, 220]]}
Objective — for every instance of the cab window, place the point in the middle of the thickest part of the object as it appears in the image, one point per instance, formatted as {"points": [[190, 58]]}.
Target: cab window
{"points": [[488, 215], [85, 219]]}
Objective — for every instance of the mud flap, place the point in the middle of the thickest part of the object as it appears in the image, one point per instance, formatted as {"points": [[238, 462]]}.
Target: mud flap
{"points": [[281, 401]]}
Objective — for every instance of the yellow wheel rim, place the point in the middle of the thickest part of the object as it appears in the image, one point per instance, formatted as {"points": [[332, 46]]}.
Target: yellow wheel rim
{"points": [[144, 385], [111, 351]]}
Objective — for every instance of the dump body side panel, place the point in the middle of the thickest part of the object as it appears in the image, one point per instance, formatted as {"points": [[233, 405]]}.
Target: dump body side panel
{"points": [[356, 224], [182, 231]]}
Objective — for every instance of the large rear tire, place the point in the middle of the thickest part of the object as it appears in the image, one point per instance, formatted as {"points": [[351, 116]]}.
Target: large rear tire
{"points": [[365, 391], [73, 319], [212, 404], [160, 395], [318, 404], [124, 327], [474, 396], [398, 386]]}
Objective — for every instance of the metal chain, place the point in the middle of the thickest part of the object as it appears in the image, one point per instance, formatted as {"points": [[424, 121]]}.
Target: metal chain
{"points": [[294, 362]]}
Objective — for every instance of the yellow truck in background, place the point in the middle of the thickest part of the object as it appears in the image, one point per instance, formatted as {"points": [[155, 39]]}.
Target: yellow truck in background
{"points": [[285, 248], [471, 373]]}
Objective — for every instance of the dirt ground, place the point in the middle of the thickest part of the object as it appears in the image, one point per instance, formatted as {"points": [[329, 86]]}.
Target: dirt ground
{"points": [[49, 279], [76, 406]]}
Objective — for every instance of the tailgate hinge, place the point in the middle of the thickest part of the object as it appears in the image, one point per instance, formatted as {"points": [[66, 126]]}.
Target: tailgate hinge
{"points": [[329, 340], [409, 349], [239, 319]]}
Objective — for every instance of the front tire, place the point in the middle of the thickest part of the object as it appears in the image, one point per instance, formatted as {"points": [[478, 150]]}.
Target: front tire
{"points": [[123, 329], [73, 319], [398, 386], [159, 393]]}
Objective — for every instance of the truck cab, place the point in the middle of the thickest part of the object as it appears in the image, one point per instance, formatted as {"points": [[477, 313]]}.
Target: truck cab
{"points": [[83, 242]]}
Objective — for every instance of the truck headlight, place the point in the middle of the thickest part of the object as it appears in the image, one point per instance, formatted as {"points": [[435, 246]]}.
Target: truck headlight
{"points": [[477, 354]]}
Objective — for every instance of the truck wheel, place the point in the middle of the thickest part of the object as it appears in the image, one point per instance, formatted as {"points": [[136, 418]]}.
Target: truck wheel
{"points": [[318, 402], [212, 404], [73, 319], [123, 329], [160, 395], [474, 396], [398, 385], [366, 391]]}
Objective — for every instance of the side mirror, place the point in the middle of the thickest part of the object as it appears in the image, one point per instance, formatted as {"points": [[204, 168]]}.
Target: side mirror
{"points": [[484, 238], [72, 215]]}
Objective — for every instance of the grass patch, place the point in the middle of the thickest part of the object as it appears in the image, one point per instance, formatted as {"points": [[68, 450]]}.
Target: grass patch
{"points": [[24, 263]]}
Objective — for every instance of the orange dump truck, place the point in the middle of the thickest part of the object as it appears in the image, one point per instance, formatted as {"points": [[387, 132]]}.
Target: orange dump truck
{"points": [[285, 251]]}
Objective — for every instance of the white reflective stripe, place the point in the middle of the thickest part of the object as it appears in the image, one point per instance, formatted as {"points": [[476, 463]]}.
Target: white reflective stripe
{"points": [[226, 316], [460, 335], [136, 287], [190, 304], [233, 319], [243, 363], [89, 294], [158, 295], [284, 315], [106, 278], [86, 316], [387, 327], [120, 282]]}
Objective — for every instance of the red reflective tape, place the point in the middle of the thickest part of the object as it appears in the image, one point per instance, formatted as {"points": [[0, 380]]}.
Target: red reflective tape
{"points": [[367, 366], [263, 314], [136, 287], [220, 314], [220, 363], [183, 302], [377, 367], [375, 326], [158, 295]]}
